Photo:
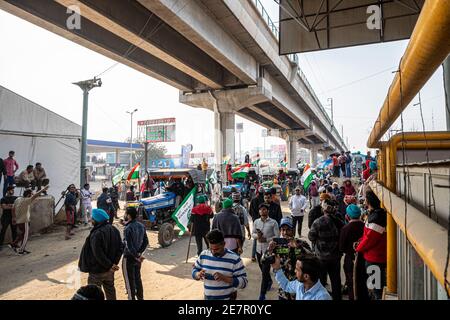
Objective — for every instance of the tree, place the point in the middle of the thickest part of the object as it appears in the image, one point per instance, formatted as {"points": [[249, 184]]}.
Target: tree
{"points": [[155, 151]]}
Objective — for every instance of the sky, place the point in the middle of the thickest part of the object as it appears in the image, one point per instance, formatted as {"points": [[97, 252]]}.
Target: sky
{"points": [[42, 66]]}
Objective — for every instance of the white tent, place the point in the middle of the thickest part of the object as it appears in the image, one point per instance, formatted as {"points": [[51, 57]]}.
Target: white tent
{"points": [[40, 135]]}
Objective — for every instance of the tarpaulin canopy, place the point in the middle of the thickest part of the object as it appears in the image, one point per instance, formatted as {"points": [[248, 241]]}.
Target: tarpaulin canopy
{"points": [[40, 135]]}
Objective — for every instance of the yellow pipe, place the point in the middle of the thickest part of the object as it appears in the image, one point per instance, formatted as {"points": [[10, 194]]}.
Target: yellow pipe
{"points": [[427, 49], [413, 140], [427, 237]]}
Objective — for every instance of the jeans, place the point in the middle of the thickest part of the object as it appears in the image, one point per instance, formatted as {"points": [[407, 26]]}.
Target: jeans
{"points": [[8, 181], [6, 221], [106, 281], [333, 269], [266, 278], [348, 170], [298, 219], [254, 249], [132, 276], [377, 292]]}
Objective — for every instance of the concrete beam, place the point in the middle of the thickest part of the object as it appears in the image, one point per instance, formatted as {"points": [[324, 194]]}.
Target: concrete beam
{"points": [[229, 100], [126, 19], [52, 16], [189, 19]]}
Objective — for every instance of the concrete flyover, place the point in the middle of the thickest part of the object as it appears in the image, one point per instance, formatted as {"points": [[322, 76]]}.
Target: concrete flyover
{"points": [[220, 54]]}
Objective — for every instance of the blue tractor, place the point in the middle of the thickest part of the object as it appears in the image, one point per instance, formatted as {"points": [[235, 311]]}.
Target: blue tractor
{"points": [[173, 186]]}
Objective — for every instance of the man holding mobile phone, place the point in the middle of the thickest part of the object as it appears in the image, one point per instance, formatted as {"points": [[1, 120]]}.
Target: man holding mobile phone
{"points": [[223, 284]]}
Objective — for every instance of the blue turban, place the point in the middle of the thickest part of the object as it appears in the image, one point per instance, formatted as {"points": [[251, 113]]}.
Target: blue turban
{"points": [[99, 215], [353, 211], [373, 165]]}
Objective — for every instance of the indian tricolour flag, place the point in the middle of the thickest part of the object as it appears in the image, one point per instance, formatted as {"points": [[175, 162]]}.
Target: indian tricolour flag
{"points": [[307, 177], [241, 172], [134, 173]]}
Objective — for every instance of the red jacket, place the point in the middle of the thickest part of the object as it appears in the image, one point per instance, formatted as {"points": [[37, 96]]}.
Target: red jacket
{"points": [[373, 242]]}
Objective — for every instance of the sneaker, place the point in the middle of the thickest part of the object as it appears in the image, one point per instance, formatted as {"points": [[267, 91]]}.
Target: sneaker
{"points": [[75, 226], [12, 247]]}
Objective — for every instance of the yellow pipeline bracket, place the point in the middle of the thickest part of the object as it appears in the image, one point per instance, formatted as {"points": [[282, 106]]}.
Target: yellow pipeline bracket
{"points": [[427, 237], [427, 49]]}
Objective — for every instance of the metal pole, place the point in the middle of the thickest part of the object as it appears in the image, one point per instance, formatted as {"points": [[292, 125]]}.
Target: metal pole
{"points": [[84, 138], [86, 86], [131, 141], [240, 151], [446, 74], [146, 155]]}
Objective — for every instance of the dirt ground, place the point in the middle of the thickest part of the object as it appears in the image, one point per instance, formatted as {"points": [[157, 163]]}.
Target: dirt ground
{"points": [[50, 271]]}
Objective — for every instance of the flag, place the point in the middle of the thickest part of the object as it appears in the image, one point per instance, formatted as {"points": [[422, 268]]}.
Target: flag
{"points": [[213, 177], [241, 171], [255, 162], [182, 214], [134, 173], [307, 177], [118, 176]]}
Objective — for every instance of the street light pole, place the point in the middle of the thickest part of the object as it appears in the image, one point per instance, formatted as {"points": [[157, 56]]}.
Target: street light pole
{"points": [[86, 86], [131, 136], [331, 107]]}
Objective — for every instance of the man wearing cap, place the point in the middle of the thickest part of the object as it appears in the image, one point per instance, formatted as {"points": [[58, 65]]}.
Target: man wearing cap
{"points": [[350, 234], [228, 223], [201, 222], [242, 214], [297, 205], [254, 213], [7, 204], [313, 192], [324, 236], [287, 231], [101, 253], [265, 229]]}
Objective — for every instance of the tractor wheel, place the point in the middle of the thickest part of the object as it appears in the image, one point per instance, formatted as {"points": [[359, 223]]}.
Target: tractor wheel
{"points": [[165, 234]]}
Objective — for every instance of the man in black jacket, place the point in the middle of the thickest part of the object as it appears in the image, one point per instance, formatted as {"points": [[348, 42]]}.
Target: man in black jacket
{"points": [[105, 203], [101, 253], [275, 212], [135, 242]]}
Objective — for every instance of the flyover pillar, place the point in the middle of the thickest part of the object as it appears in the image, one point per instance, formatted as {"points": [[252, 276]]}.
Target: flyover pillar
{"points": [[227, 123], [313, 150], [291, 148]]}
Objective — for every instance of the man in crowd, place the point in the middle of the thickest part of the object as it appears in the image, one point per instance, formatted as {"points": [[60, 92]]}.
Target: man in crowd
{"points": [[131, 196], [336, 167], [350, 234], [86, 206], [296, 247], [242, 214], [104, 202], [342, 160], [135, 242], [2, 171], [265, 229], [254, 213], [39, 175], [297, 205], [114, 194], [307, 286], [373, 242], [348, 164], [7, 204], [274, 208], [21, 217], [313, 192], [228, 223], [317, 211], [221, 269], [358, 163], [70, 204], [11, 167], [89, 292], [101, 253], [324, 235], [26, 178], [201, 222]]}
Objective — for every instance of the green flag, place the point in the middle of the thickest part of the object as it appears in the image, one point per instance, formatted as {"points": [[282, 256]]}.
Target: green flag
{"points": [[118, 175], [182, 214]]}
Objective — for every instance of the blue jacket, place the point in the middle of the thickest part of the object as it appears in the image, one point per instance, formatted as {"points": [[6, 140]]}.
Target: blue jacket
{"points": [[135, 239]]}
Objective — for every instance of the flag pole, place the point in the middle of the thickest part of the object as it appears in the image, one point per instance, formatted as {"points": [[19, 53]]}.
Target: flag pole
{"points": [[189, 244]]}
